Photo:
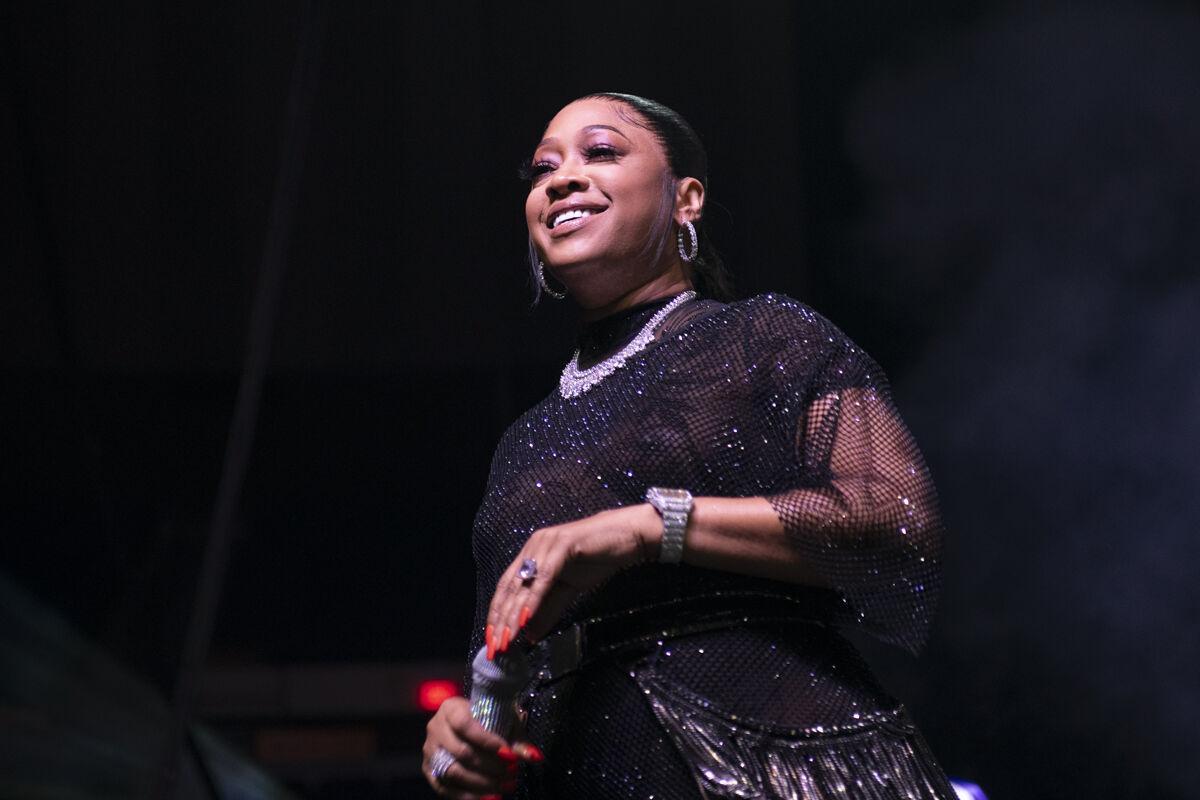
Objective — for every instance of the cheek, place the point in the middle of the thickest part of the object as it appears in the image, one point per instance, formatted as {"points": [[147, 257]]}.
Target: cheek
{"points": [[531, 214], [650, 205]]}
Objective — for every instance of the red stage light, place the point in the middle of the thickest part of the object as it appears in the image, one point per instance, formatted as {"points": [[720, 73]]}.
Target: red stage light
{"points": [[430, 694]]}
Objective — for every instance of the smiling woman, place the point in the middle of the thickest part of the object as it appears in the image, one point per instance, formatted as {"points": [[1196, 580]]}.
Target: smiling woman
{"points": [[600, 152], [672, 538]]}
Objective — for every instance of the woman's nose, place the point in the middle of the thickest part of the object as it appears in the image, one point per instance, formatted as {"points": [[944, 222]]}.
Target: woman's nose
{"points": [[564, 182]]}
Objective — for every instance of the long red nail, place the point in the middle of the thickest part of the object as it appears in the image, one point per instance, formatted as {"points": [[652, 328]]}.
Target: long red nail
{"points": [[491, 648], [530, 752], [507, 754], [505, 638], [525, 615]]}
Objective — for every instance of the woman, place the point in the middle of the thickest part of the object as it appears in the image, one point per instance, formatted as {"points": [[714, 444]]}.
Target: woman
{"points": [[675, 533]]}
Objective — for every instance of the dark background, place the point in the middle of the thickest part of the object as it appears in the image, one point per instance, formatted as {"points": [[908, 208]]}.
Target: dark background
{"points": [[1000, 201]]}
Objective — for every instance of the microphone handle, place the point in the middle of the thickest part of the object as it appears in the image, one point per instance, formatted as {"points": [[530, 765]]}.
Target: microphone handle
{"points": [[494, 688]]}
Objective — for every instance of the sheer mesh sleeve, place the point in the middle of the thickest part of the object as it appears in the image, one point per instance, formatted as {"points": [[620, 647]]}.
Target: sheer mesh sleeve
{"points": [[864, 511]]}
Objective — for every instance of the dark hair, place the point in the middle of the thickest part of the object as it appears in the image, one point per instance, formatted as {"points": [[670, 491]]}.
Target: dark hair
{"points": [[687, 159]]}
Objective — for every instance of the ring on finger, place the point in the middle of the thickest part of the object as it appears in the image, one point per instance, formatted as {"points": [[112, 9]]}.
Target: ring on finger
{"points": [[440, 763], [528, 570]]}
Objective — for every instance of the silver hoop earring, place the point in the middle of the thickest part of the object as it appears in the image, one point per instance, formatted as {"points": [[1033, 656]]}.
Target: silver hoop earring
{"points": [[688, 257], [541, 275]]}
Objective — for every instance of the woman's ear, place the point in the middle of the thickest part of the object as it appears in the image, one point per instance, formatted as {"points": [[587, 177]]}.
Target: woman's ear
{"points": [[689, 200]]}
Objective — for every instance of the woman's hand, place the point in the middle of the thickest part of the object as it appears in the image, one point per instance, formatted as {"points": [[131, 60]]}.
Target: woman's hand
{"points": [[571, 559], [484, 763]]}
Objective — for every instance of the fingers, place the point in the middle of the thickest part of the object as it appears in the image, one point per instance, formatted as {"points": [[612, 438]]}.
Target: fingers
{"points": [[524, 605], [574, 557], [460, 781], [522, 600], [528, 751], [458, 777], [474, 773], [515, 601], [508, 583], [482, 763], [466, 729]]}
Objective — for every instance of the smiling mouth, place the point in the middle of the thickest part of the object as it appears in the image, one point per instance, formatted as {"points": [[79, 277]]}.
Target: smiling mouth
{"points": [[571, 215]]}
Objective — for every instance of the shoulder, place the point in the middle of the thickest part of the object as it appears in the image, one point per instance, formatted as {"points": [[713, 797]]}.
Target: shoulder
{"points": [[800, 342], [788, 322]]}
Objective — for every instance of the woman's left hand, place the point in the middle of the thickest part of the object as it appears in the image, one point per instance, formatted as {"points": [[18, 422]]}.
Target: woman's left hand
{"points": [[571, 559]]}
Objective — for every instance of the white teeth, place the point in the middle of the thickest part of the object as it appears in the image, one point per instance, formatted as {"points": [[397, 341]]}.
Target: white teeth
{"points": [[567, 216]]}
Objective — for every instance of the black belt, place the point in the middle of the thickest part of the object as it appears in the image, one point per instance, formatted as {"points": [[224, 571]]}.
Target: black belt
{"points": [[570, 649]]}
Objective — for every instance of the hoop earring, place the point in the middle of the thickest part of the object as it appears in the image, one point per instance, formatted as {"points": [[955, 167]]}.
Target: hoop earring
{"points": [[695, 250], [541, 276]]}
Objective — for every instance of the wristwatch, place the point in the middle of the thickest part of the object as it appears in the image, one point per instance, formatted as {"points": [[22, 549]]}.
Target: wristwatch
{"points": [[674, 505]]}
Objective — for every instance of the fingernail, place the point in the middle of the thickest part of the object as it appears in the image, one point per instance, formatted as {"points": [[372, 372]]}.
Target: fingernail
{"points": [[491, 647], [504, 639], [529, 752], [525, 614], [507, 754]]}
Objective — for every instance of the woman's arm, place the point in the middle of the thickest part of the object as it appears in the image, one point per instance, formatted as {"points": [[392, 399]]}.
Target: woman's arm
{"points": [[870, 530], [734, 534]]}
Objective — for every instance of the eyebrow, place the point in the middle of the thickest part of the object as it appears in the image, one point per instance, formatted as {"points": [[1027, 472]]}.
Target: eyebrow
{"points": [[588, 129]]}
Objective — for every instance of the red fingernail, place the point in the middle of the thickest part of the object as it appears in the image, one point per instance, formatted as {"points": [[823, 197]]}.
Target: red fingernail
{"points": [[507, 754], [525, 615], [491, 648], [533, 754], [505, 638]]}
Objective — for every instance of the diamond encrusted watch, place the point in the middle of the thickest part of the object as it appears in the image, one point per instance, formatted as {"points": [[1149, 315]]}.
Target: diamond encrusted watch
{"points": [[675, 505]]}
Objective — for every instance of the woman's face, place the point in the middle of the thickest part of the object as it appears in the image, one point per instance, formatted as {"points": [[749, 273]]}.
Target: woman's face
{"points": [[596, 196]]}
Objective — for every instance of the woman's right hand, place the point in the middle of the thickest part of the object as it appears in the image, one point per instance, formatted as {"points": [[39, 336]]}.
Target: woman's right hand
{"points": [[484, 763]]}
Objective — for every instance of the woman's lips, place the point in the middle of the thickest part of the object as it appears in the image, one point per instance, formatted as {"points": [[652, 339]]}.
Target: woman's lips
{"points": [[571, 225]]}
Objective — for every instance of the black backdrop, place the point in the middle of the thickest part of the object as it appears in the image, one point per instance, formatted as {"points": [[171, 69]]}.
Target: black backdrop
{"points": [[999, 201]]}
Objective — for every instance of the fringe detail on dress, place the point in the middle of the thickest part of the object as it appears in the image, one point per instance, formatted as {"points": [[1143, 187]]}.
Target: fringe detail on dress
{"points": [[880, 757]]}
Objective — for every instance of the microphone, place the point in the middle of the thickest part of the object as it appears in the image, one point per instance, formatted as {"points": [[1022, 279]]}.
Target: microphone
{"points": [[494, 688]]}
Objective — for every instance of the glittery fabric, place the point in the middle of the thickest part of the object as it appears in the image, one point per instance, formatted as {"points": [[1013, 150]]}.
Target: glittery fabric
{"points": [[762, 397]]}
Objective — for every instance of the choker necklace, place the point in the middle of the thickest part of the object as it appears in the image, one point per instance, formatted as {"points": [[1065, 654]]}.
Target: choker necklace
{"points": [[576, 381]]}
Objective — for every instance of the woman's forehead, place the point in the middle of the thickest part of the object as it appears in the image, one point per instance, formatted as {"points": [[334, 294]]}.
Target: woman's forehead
{"points": [[589, 112]]}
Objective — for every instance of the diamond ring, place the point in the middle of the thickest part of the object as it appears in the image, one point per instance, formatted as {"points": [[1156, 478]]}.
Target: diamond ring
{"points": [[528, 570], [440, 763]]}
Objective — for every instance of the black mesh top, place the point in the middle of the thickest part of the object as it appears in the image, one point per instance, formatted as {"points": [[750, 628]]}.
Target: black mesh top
{"points": [[762, 397]]}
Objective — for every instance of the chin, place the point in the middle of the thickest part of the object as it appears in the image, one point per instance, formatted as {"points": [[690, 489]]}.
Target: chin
{"points": [[564, 258]]}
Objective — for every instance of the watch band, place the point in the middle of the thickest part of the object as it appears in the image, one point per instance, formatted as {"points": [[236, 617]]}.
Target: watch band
{"points": [[675, 505]]}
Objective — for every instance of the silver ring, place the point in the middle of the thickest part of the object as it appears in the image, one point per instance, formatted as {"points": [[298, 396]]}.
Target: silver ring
{"points": [[440, 764], [528, 570]]}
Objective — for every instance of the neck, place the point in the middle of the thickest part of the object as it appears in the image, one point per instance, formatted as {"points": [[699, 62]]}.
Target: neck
{"points": [[666, 285]]}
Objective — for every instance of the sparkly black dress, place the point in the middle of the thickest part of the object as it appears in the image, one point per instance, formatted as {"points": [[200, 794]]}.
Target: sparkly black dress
{"points": [[762, 397]]}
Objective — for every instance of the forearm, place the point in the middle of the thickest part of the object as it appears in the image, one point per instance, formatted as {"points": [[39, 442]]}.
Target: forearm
{"points": [[732, 534]]}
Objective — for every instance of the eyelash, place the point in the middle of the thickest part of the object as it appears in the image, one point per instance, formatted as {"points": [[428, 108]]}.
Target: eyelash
{"points": [[535, 169]]}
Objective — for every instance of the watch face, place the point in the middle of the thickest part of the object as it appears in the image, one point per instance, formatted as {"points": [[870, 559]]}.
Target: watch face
{"points": [[661, 498]]}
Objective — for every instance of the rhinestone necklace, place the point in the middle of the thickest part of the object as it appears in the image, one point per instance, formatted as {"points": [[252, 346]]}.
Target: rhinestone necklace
{"points": [[576, 381]]}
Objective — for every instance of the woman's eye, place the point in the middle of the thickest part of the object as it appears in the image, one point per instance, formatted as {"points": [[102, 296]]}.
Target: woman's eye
{"points": [[532, 170], [600, 151]]}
